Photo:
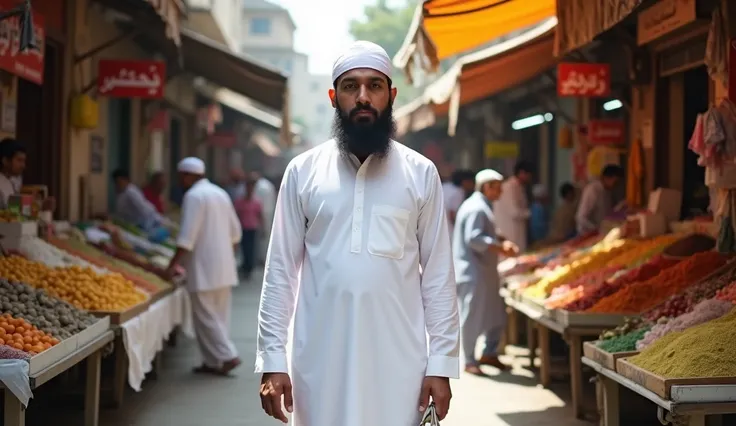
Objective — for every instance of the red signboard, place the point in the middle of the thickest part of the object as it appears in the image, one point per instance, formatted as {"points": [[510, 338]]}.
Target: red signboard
{"points": [[27, 65], [131, 79], [606, 132], [583, 79], [222, 139]]}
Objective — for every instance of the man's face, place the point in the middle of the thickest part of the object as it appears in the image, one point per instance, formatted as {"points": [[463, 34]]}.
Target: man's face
{"points": [[468, 185], [610, 182], [186, 180], [363, 123], [121, 184], [524, 177], [16, 165], [492, 190]]}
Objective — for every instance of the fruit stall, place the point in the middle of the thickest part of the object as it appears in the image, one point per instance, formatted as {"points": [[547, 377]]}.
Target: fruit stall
{"points": [[591, 287], [64, 300]]}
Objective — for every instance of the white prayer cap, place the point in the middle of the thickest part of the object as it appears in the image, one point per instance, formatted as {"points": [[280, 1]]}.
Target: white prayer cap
{"points": [[362, 54], [539, 190], [485, 176], [191, 165]]}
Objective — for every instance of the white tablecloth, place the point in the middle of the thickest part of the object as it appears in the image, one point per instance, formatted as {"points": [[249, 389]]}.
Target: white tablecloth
{"points": [[144, 336], [14, 378]]}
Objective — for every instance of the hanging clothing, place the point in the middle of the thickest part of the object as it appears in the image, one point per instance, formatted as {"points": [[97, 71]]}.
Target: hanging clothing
{"points": [[634, 174], [211, 320], [595, 205], [209, 230], [482, 310], [348, 243], [512, 212]]}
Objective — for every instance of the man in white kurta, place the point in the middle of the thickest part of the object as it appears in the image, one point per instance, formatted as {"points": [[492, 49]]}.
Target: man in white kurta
{"points": [[512, 209], [209, 230], [356, 218]]}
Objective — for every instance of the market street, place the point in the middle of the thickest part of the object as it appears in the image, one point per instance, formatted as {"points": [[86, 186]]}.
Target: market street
{"points": [[183, 399]]}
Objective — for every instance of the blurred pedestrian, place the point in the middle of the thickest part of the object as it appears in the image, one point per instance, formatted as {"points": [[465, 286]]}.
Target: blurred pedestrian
{"points": [[250, 213], [209, 230], [154, 191], [512, 209], [476, 248], [539, 215], [563, 220], [456, 191], [596, 202], [360, 251]]}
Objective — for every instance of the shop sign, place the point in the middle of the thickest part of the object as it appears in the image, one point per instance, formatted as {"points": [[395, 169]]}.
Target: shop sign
{"points": [[27, 65], [498, 149], [606, 132], [583, 79], [222, 139], [131, 79], [663, 17]]}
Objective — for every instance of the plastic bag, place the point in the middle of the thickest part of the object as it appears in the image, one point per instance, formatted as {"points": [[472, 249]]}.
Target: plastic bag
{"points": [[14, 376], [430, 417]]}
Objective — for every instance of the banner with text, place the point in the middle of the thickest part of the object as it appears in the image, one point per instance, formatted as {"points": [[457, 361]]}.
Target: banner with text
{"points": [[583, 80], [27, 65], [131, 79]]}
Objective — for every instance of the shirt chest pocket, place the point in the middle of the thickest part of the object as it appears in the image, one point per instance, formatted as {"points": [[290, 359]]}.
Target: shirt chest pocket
{"points": [[387, 232]]}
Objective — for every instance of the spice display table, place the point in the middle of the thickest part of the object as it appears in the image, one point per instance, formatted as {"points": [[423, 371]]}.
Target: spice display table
{"points": [[712, 401], [92, 353], [544, 322]]}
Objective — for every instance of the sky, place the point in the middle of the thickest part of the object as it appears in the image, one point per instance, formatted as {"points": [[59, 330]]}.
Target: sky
{"points": [[322, 28]]}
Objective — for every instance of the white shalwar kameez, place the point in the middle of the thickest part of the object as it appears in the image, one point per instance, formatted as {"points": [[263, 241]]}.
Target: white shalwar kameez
{"points": [[209, 229], [346, 250]]}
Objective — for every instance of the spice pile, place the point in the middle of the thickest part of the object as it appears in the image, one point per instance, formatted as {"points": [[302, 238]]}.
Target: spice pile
{"points": [[625, 342], [643, 251], [642, 273], [705, 350], [644, 295], [568, 293], [704, 311], [597, 258], [684, 302], [727, 293]]}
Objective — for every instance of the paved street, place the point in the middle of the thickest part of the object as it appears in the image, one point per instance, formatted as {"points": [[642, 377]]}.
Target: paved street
{"points": [[180, 398]]}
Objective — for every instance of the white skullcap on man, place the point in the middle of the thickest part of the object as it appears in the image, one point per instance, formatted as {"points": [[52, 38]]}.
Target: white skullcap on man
{"points": [[362, 54], [485, 176], [539, 190], [191, 165]]}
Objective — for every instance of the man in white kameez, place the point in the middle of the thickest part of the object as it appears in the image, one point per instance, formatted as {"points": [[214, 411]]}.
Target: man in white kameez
{"points": [[596, 201], [476, 247], [209, 231], [512, 209], [356, 219]]}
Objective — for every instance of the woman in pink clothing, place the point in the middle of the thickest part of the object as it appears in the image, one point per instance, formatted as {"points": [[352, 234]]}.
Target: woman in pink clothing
{"points": [[250, 213]]}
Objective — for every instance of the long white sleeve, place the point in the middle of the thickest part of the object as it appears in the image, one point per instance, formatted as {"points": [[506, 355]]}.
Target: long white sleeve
{"points": [[191, 222], [439, 293], [280, 281], [585, 210]]}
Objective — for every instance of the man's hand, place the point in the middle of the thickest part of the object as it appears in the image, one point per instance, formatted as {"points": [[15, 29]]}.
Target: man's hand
{"points": [[509, 249], [439, 389], [275, 386]]}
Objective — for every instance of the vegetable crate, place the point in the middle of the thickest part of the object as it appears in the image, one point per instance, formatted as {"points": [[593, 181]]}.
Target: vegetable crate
{"points": [[605, 359], [696, 389], [117, 318]]}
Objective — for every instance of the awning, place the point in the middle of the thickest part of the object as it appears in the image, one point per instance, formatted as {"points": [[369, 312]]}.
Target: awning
{"points": [[171, 12], [483, 74], [214, 62], [244, 106], [580, 21], [265, 144], [445, 28]]}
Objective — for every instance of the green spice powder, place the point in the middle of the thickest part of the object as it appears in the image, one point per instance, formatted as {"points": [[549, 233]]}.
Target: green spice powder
{"points": [[623, 343], [706, 350]]}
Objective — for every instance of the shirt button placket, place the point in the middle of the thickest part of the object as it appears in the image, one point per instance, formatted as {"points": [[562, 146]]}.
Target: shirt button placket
{"points": [[357, 235]]}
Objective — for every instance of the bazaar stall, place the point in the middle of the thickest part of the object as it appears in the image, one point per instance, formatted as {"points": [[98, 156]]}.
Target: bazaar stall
{"points": [[63, 300]]}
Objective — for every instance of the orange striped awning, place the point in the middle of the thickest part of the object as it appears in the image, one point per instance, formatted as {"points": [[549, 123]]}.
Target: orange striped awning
{"points": [[445, 28]]}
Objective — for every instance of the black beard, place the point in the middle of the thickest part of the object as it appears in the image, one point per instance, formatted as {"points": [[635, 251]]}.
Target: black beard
{"points": [[364, 138]]}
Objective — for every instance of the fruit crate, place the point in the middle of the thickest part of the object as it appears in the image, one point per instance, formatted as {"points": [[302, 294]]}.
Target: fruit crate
{"points": [[52, 355], [605, 359], [117, 318], [683, 390], [582, 319], [92, 332]]}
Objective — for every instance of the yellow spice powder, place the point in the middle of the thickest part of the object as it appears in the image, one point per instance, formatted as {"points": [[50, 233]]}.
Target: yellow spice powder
{"points": [[706, 350]]}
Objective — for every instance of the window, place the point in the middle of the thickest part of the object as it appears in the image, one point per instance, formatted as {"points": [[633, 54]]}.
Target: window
{"points": [[260, 26]]}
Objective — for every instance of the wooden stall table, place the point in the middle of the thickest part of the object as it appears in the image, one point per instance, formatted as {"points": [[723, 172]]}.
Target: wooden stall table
{"points": [[92, 353], [693, 405], [545, 322]]}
